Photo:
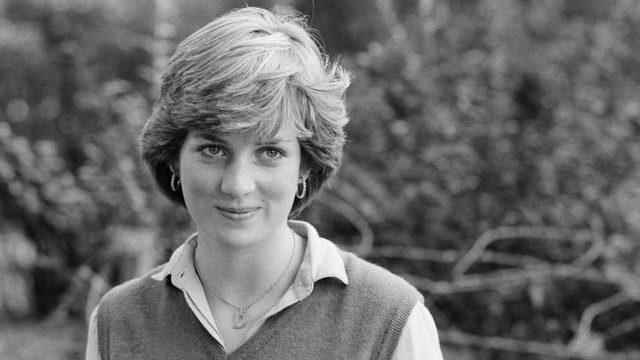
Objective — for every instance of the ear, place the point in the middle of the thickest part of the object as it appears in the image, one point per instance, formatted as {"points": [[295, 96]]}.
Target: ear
{"points": [[304, 173]]}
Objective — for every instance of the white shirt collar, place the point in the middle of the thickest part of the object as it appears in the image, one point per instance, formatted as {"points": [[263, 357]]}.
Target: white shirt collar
{"points": [[321, 259]]}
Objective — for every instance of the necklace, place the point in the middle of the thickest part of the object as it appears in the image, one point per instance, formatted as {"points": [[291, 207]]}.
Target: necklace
{"points": [[240, 319]]}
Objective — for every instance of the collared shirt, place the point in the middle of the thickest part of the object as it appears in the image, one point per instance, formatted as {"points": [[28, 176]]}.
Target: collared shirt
{"points": [[418, 340]]}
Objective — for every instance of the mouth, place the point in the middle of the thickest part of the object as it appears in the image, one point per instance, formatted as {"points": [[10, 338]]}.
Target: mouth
{"points": [[237, 213]]}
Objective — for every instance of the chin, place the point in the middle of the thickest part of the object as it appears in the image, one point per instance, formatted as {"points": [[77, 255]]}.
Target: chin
{"points": [[237, 236]]}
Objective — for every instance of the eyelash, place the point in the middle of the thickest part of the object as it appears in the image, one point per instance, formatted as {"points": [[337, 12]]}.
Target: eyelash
{"points": [[279, 153], [206, 151]]}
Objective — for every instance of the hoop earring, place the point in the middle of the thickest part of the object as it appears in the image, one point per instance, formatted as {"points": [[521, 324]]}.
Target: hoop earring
{"points": [[299, 194], [175, 180]]}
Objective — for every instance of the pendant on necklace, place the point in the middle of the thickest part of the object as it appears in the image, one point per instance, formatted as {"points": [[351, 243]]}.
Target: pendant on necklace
{"points": [[240, 318]]}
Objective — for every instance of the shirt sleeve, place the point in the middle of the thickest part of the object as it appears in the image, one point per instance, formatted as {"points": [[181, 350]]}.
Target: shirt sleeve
{"points": [[419, 337], [92, 352]]}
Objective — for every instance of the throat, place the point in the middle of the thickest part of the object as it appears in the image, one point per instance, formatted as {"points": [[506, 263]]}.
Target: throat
{"points": [[244, 277]]}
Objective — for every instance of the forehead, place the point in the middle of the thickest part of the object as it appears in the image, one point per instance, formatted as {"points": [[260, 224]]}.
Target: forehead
{"points": [[281, 134]]}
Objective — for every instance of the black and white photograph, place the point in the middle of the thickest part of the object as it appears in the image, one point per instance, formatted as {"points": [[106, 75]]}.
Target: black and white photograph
{"points": [[320, 179]]}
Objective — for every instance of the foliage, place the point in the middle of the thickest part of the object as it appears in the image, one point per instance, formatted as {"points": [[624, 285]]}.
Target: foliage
{"points": [[74, 97], [520, 116]]}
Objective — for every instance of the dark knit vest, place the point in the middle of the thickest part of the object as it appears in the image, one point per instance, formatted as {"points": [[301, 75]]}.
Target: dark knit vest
{"points": [[149, 319]]}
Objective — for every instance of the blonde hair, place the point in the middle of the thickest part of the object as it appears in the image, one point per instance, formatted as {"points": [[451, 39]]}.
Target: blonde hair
{"points": [[250, 70]]}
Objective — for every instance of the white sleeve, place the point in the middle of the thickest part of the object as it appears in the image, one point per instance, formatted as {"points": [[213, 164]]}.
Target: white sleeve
{"points": [[92, 352], [419, 337]]}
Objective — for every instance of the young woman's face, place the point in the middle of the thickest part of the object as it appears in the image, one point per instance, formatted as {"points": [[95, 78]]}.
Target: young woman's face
{"points": [[238, 189]]}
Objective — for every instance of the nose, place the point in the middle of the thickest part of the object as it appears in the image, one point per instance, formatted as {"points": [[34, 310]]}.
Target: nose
{"points": [[238, 178]]}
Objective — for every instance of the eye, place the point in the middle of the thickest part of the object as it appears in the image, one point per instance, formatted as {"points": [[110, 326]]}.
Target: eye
{"points": [[272, 153], [212, 150]]}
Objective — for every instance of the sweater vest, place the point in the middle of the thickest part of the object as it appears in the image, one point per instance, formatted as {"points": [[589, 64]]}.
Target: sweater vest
{"points": [[149, 319]]}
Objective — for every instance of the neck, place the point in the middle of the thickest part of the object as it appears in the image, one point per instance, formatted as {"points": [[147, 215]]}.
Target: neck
{"points": [[240, 273]]}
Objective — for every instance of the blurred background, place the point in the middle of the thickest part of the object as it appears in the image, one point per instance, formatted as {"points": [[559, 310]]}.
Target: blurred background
{"points": [[492, 161]]}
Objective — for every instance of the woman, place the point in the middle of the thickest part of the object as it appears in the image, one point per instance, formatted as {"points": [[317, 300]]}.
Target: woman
{"points": [[247, 129]]}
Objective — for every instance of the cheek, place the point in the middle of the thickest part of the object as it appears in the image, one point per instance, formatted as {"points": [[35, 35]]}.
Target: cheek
{"points": [[196, 180], [280, 187], [283, 186]]}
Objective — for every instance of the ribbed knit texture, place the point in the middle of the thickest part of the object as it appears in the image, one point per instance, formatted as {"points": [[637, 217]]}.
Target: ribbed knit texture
{"points": [[149, 319]]}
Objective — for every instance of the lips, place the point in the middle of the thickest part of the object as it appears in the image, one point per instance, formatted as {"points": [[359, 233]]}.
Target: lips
{"points": [[238, 213]]}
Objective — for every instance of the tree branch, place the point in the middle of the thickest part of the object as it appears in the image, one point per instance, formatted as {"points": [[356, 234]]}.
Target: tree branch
{"points": [[624, 327], [353, 215], [503, 279], [491, 236], [593, 310], [545, 350]]}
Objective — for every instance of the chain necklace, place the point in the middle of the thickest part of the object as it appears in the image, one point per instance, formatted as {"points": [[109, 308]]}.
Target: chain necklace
{"points": [[240, 319]]}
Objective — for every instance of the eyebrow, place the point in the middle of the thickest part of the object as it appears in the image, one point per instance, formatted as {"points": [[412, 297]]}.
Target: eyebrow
{"points": [[209, 137]]}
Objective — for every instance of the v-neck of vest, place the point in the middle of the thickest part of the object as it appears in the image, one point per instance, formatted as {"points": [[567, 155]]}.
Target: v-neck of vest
{"points": [[264, 333]]}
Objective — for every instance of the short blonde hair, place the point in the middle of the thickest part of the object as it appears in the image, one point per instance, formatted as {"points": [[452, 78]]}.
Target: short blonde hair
{"points": [[250, 70]]}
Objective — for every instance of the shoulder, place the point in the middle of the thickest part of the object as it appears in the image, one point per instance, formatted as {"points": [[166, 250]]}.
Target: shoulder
{"points": [[379, 282], [384, 299], [132, 290], [419, 337]]}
